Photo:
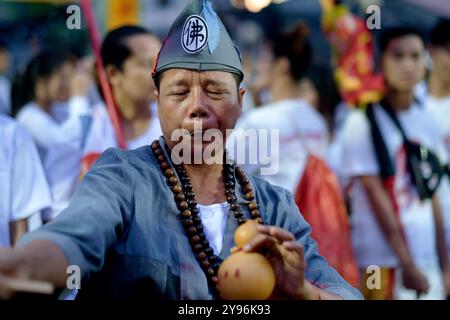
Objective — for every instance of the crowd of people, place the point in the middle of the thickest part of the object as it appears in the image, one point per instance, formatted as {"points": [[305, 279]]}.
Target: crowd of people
{"points": [[374, 179]]}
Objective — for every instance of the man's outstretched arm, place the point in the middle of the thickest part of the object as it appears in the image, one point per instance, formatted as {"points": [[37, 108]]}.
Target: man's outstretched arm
{"points": [[40, 260]]}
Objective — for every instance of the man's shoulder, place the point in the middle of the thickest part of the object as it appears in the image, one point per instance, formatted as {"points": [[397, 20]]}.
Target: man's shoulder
{"points": [[270, 192], [135, 161]]}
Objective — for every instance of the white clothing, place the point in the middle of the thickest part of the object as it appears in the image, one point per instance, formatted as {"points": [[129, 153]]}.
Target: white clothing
{"points": [[371, 247], [23, 188], [63, 163], [56, 129], [5, 96], [214, 220], [301, 130], [439, 109]]}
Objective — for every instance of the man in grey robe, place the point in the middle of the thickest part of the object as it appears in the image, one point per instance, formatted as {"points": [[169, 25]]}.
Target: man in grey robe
{"points": [[123, 228]]}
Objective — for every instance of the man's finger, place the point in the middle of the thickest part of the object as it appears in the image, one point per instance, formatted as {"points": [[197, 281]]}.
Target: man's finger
{"points": [[5, 291], [7, 259], [261, 241], [280, 234]]}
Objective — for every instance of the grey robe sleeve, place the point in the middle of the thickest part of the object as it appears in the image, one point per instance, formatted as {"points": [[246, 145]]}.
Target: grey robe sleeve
{"points": [[287, 216], [97, 215]]}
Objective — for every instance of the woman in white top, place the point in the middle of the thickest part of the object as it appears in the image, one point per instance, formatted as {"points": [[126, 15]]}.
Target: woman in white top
{"points": [[301, 128], [24, 191], [50, 80], [128, 53]]}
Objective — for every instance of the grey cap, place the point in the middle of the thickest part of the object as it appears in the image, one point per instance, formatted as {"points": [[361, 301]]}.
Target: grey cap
{"points": [[198, 41]]}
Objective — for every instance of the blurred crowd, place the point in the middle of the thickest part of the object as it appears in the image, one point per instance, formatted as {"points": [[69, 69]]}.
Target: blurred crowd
{"points": [[348, 164]]}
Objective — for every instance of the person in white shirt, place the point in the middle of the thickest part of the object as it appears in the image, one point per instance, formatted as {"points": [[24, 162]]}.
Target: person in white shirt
{"points": [[128, 55], [302, 130], [24, 192], [392, 228], [437, 100], [5, 84], [49, 81], [50, 102]]}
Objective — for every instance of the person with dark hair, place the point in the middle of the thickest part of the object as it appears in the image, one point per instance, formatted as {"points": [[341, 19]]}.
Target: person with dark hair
{"points": [[303, 143], [128, 54], [5, 84], [437, 101], [301, 127], [143, 225], [49, 101], [396, 216], [47, 87]]}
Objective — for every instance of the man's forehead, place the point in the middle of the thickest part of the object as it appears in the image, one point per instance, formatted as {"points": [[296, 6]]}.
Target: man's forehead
{"points": [[405, 42], [175, 77], [142, 43]]}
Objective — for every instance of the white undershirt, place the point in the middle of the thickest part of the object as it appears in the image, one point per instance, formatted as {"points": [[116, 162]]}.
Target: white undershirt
{"points": [[214, 219]]}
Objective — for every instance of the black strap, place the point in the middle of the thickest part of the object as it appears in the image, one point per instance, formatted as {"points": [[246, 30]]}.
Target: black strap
{"points": [[385, 163], [390, 111]]}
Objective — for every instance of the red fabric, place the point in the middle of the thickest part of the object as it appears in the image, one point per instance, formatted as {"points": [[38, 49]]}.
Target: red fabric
{"points": [[94, 36], [87, 162], [320, 200], [389, 185]]}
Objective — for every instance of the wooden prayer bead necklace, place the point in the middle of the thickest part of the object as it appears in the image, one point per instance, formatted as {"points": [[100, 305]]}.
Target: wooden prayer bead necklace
{"points": [[186, 203]]}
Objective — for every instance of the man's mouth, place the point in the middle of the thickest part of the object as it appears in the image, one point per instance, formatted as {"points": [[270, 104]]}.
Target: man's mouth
{"points": [[200, 132]]}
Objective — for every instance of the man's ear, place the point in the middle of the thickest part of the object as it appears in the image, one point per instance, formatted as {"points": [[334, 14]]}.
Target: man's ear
{"points": [[113, 74], [156, 93], [241, 98], [431, 51]]}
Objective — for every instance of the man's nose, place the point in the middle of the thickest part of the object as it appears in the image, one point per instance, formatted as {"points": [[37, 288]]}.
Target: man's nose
{"points": [[198, 107]]}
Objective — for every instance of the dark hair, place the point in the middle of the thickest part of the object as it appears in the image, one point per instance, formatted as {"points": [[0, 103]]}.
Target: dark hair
{"points": [[43, 65], [295, 46], [3, 46], [114, 51], [440, 34], [389, 34]]}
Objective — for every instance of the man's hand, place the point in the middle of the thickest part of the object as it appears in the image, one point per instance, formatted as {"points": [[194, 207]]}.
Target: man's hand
{"points": [[287, 258], [10, 262], [446, 278], [82, 79], [38, 267], [285, 255], [414, 279]]}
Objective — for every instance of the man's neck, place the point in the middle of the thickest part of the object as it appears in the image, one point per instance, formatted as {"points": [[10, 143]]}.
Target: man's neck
{"points": [[207, 183], [44, 105], [437, 87], [399, 100], [136, 116], [283, 89]]}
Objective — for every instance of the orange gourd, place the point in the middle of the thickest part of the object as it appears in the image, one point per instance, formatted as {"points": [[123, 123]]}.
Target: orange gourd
{"points": [[245, 275]]}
